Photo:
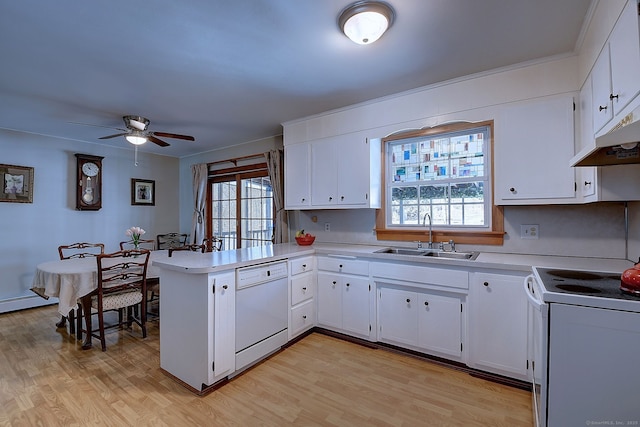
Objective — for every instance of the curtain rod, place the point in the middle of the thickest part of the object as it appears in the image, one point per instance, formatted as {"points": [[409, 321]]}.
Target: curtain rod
{"points": [[236, 159]]}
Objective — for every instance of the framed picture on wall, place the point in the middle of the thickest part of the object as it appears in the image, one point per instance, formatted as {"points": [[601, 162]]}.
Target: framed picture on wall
{"points": [[143, 192], [17, 184]]}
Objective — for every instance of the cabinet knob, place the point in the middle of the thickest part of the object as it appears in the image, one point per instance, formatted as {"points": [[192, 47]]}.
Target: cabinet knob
{"points": [[426, 303], [225, 286], [347, 285], [587, 183], [513, 190], [340, 265], [600, 108], [486, 283], [333, 283], [304, 266], [304, 317], [304, 289], [330, 198], [303, 199], [341, 197], [408, 300], [612, 96]]}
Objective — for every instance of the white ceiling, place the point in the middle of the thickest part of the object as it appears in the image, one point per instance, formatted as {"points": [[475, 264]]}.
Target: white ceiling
{"points": [[229, 72]]}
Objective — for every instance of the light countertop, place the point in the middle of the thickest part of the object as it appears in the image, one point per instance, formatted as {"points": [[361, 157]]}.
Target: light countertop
{"points": [[210, 262]]}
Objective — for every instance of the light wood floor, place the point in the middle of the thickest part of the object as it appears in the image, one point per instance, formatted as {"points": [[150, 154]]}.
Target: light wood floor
{"points": [[47, 380]]}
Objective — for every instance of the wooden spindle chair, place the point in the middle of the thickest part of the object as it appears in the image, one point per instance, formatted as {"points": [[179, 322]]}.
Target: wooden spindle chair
{"points": [[77, 250], [122, 284], [170, 240]]}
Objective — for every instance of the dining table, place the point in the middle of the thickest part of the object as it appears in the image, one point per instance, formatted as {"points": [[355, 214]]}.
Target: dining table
{"points": [[71, 279]]}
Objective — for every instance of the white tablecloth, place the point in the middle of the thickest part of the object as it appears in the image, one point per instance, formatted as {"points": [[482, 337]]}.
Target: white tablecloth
{"points": [[70, 279]]}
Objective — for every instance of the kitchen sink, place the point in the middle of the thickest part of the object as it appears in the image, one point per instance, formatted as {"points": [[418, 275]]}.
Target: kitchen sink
{"points": [[430, 253], [453, 255], [401, 251]]}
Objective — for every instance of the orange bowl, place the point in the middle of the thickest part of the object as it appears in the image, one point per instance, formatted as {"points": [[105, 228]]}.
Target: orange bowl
{"points": [[305, 241]]}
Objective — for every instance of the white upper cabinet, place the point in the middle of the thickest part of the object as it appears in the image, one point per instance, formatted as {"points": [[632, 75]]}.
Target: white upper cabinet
{"points": [[342, 172], [297, 186], [601, 89], [624, 45], [533, 143], [614, 76]]}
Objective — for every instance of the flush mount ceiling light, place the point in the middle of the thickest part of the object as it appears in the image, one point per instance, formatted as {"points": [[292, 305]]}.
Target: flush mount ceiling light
{"points": [[364, 22]]}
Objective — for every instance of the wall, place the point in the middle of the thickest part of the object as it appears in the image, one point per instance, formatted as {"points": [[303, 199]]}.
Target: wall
{"points": [[593, 230], [32, 232]]}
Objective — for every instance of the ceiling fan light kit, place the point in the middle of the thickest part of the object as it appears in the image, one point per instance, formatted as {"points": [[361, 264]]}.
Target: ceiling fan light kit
{"points": [[364, 22], [136, 139], [137, 134]]}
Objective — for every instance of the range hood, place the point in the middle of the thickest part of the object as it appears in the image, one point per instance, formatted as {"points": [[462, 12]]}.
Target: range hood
{"points": [[619, 146]]}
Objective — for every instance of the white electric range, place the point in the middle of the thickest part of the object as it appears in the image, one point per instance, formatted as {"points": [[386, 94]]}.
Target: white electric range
{"points": [[586, 335]]}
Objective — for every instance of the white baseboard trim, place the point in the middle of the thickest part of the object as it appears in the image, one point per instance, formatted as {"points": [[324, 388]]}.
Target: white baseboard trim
{"points": [[22, 303]]}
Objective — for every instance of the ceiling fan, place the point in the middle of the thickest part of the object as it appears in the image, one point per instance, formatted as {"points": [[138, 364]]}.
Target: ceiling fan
{"points": [[136, 132]]}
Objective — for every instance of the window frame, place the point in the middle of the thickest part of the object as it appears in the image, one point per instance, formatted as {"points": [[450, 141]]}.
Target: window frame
{"points": [[491, 235], [234, 174]]}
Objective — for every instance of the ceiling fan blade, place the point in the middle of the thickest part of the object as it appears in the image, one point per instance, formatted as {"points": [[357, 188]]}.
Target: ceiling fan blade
{"points": [[97, 126], [157, 141], [174, 135], [113, 136]]}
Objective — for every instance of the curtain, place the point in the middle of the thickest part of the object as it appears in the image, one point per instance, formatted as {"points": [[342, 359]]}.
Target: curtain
{"points": [[275, 160], [200, 173]]}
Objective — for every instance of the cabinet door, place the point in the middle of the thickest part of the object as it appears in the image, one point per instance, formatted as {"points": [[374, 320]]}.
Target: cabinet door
{"points": [[601, 88], [398, 316], [624, 45], [224, 309], [297, 175], [324, 173], [353, 171], [534, 143], [586, 176], [440, 324], [329, 294], [498, 324], [355, 305]]}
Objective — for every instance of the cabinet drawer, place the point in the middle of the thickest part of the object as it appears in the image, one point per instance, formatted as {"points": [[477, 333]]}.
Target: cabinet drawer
{"points": [[302, 317], [344, 265], [300, 265], [421, 275], [302, 288]]}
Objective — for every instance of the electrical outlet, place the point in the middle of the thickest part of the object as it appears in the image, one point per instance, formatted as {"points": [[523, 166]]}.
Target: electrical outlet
{"points": [[529, 231], [327, 226]]}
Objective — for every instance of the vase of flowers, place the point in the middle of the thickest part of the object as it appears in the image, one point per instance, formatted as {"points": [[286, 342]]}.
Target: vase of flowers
{"points": [[135, 233]]}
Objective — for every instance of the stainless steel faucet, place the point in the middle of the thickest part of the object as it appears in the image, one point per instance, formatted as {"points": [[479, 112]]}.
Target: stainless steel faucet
{"points": [[424, 220]]}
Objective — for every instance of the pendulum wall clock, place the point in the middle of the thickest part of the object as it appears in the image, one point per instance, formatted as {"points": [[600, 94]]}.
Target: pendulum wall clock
{"points": [[89, 182]]}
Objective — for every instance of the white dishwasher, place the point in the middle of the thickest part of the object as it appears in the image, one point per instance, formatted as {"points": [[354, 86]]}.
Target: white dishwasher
{"points": [[261, 311]]}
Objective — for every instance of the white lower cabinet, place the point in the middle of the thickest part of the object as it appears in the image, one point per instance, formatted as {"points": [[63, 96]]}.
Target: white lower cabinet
{"points": [[197, 326], [302, 315], [436, 311], [422, 307], [498, 324], [344, 296], [422, 320]]}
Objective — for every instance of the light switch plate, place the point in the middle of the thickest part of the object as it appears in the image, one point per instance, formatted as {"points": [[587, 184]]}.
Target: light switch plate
{"points": [[529, 231]]}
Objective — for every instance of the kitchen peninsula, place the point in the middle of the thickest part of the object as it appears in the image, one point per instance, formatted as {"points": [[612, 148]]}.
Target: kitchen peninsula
{"points": [[198, 301]]}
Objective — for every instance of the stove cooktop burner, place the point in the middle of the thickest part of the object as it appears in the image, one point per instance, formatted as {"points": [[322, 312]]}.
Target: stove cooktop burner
{"points": [[578, 288], [579, 275], [585, 283]]}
